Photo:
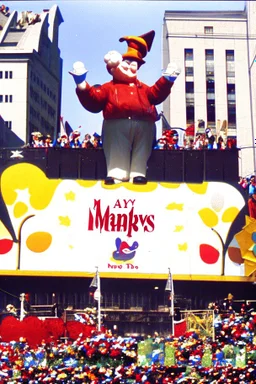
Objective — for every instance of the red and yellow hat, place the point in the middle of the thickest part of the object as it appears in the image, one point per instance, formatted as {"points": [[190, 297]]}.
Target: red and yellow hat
{"points": [[138, 46]]}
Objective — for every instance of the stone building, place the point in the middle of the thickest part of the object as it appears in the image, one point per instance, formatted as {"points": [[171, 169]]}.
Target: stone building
{"points": [[216, 88], [30, 71]]}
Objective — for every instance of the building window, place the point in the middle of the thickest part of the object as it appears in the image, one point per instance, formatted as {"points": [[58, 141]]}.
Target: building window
{"points": [[211, 112], [8, 124], [209, 55], [230, 55], [231, 88], [208, 30], [189, 71], [189, 54], [189, 87], [210, 87], [1, 98], [7, 75], [190, 110], [210, 90], [230, 64], [231, 92], [231, 114], [8, 98]]}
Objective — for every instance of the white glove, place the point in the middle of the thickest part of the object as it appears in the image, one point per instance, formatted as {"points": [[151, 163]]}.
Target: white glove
{"points": [[113, 59], [79, 72], [172, 72]]}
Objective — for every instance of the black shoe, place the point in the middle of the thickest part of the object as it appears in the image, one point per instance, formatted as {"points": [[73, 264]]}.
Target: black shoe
{"points": [[109, 180], [140, 180]]}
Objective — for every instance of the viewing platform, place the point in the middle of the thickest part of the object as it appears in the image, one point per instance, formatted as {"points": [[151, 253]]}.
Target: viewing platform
{"points": [[188, 166]]}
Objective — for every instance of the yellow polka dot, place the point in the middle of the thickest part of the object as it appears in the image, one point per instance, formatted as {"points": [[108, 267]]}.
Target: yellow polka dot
{"points": [[198, 188], [39, 241], [20, 209], [87, 183], [230, 214], [149, 187], [170, 185], [208, 217]]}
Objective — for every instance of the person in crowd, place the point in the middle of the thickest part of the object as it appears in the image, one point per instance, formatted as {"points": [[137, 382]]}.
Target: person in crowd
{"points": [[57, 142], [161, 143], [47, 142], [173, 142], [252, 205], [86, 143], [243, 183], [189, 144], [11, 309], [228, 303], [210, 137], [252, 185], [5, 10], [199, 142], [74, 139], [220, 143], [37, 140], [96, 140]]}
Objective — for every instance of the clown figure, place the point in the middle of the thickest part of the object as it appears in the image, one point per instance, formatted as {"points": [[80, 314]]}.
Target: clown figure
{"points": [[128, 106]]}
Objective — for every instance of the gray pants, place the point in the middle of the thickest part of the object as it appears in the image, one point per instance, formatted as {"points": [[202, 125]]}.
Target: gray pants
{"points": [[127, 146]]}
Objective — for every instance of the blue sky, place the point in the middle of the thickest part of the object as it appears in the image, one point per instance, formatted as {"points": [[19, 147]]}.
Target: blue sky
{"points": [[92, 28]]}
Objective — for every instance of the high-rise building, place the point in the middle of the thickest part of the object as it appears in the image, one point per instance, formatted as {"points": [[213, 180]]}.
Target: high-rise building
{"points": [[30, 71], [216, 52]]}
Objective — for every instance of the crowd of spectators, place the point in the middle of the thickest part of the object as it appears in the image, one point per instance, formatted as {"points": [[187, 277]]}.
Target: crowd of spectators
{"points": [[169, 140], [66, 141], [228, 357], [248, 185], [5, 10]]}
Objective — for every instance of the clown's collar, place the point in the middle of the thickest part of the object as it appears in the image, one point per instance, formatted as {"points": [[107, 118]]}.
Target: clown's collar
{"points": [[129, 83]]}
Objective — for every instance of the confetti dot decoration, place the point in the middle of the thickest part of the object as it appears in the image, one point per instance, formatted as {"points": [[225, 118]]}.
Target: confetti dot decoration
{"points": [[5, 246], [208, 254], [39, 242]]}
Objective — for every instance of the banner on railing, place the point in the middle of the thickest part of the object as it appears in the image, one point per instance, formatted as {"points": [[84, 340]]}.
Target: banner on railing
{"points": [[69, 226]]}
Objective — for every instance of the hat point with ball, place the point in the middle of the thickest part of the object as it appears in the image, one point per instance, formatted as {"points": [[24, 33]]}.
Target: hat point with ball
{"points": [[138, 46]]}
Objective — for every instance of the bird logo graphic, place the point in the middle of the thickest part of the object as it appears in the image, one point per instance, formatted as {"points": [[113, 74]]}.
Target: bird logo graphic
{"points": [[124, 251]]}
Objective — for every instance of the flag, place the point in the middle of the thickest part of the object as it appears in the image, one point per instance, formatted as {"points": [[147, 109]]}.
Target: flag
{"points": [[169, 286], [94, 283], [218, 128], [97, 294], [165, 125], [170, 290], [94, 286], [62, 128], [224, 128], [190, 130], [68, 128]]}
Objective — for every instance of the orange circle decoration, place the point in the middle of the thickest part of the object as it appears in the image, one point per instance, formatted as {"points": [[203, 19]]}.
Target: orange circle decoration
{"points": [[39, 241]]}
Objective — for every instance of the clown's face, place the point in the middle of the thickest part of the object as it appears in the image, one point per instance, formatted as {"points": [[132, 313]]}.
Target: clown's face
{"points": [[126, 71]]}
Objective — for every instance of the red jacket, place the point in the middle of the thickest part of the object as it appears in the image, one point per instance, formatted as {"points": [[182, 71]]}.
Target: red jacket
{"points": [[252, 207], [121, 100]]}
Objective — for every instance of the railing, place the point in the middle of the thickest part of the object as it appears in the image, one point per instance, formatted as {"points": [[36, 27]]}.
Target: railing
{"points": [[190, 166]]}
